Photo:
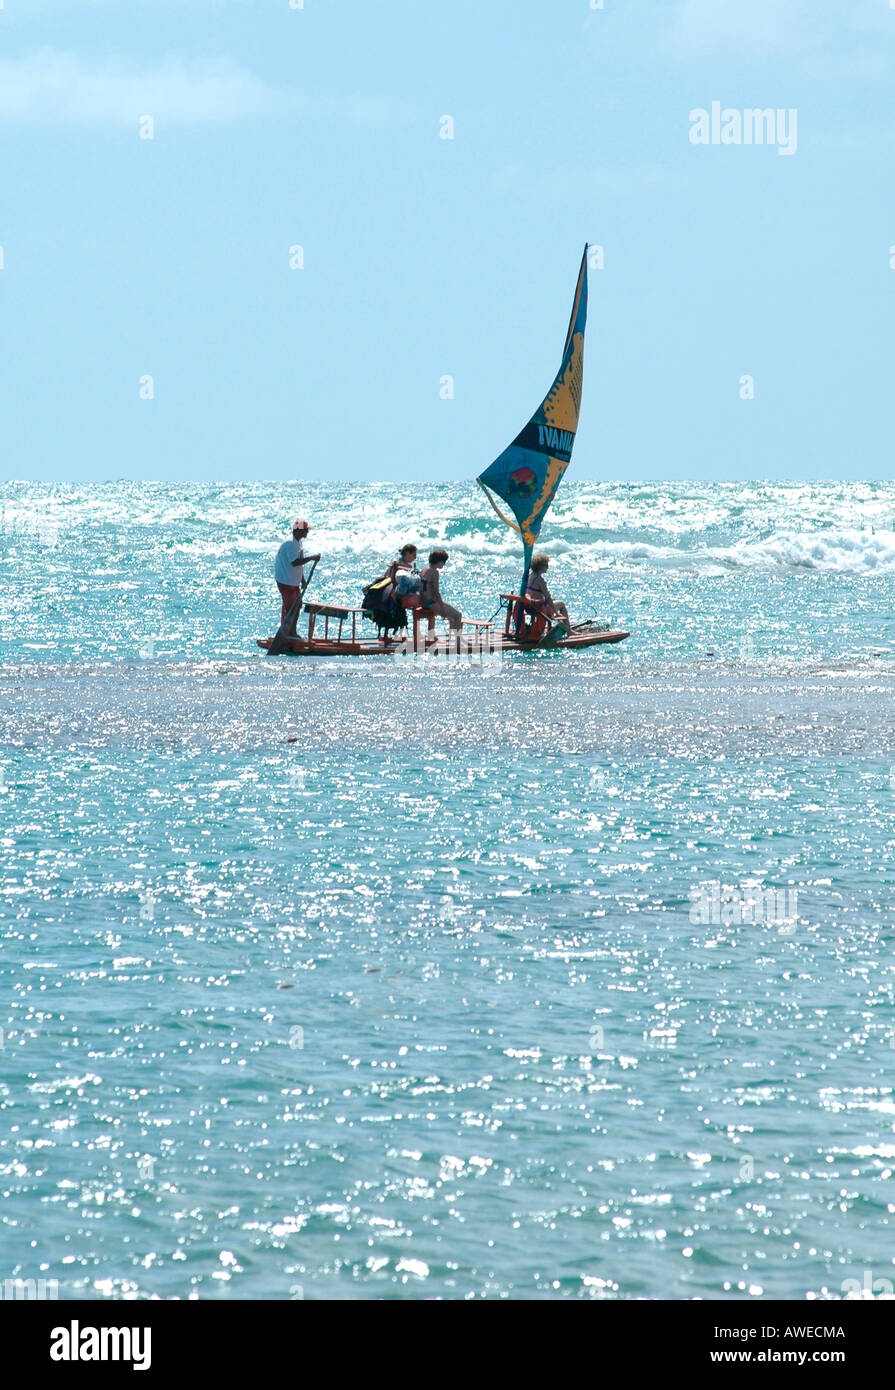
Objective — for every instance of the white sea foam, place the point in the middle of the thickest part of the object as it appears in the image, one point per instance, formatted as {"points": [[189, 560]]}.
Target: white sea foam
{"points": [[842, 552], [832, 552], [695, 527]]}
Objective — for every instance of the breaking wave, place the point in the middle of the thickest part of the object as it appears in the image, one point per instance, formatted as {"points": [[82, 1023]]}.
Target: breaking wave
{"points": [[830, 552]]}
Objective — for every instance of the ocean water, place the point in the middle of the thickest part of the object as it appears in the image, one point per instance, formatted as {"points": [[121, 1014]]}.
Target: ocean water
{"points": [[384, 979]]}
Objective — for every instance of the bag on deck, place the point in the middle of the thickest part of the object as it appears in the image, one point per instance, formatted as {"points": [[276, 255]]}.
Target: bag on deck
{"points": [[381, 605], [407, 583]]}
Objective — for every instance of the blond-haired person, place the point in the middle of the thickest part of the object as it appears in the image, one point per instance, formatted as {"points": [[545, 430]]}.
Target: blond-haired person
{"points": [[539, 596]]}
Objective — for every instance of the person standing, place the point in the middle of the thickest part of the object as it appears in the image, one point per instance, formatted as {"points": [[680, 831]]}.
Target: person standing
{"points": [[289, 567]]}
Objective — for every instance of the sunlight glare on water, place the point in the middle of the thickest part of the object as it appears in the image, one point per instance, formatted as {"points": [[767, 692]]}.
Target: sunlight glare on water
{"points": [[419, 1004]]}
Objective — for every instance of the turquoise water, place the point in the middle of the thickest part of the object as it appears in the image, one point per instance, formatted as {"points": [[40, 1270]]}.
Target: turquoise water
{"points": [[421, 1004]]}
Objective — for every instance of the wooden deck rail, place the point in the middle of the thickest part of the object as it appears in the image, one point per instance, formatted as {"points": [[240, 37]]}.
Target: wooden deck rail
{"points": [[331, 610]]}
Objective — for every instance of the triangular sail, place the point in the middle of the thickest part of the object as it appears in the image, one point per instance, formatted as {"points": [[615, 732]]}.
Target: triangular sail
{"points": [[528, 472]]}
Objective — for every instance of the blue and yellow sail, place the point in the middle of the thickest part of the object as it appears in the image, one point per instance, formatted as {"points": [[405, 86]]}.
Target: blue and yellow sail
{"points": [[528, 472]]}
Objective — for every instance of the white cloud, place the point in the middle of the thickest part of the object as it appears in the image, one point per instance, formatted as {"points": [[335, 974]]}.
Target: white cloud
{"points": [[751, 26], [35, 6], [810, 28], [51, 86]]}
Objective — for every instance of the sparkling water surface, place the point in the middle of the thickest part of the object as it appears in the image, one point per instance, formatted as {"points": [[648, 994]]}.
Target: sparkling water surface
{"points": [[418, 1004]]}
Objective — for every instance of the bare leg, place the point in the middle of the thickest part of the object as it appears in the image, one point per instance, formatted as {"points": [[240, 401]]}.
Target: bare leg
{"points": [[453, 615]]}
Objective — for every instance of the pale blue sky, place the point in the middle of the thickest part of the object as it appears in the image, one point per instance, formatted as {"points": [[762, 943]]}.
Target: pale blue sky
{"points": [[423, 257]]}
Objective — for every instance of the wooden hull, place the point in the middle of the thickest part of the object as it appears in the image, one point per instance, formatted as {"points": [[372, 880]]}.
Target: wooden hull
{"points": [[300, 646], [576, 640]]}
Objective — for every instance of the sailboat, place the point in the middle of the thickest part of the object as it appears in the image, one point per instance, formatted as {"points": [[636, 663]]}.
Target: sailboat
{"points": [[525, 477]]}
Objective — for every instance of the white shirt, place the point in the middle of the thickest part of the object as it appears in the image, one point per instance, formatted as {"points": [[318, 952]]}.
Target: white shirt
{"points": [[283, 570]]}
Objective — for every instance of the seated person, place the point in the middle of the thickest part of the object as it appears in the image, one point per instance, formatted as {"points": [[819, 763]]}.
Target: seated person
{"points": [[539, 596], [406, 561], [431, 594]]}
